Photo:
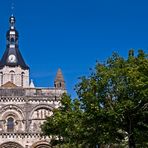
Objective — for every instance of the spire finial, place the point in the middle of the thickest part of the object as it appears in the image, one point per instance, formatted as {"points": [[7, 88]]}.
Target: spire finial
{"points": [[12, 8], [12, 22], [12, 18]]}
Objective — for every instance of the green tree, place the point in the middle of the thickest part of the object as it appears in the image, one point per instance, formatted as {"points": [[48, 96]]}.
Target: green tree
{"points": [[65, 123], [112, 107], [115, 100]]}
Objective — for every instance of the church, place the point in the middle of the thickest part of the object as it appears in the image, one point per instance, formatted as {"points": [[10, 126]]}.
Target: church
{"points": [[23, 107]]}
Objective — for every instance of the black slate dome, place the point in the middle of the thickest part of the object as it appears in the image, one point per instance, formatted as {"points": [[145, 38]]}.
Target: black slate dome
{"points": [[12, 56]]}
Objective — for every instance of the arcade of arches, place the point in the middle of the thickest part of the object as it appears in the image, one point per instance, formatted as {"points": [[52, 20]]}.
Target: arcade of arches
{"points": [[10, 145], [16, 145]]}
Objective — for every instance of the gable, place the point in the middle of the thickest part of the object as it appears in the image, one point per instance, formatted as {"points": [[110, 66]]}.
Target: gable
{"points": [[9, 85]]}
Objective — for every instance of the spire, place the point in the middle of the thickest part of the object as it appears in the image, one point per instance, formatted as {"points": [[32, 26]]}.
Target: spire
{"points": [[59, 80], [12, 56], [32, 84]]}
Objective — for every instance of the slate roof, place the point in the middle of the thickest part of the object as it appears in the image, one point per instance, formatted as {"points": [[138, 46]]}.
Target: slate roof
{"points": [[10, 49], [20, 61]]}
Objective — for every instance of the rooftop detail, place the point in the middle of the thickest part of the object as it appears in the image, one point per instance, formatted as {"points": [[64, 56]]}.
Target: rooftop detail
{"points": [[59, 80], [12, 56]]}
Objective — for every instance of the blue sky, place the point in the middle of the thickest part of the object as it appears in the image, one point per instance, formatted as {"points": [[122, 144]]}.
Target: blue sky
{"points": [[73, 34]]}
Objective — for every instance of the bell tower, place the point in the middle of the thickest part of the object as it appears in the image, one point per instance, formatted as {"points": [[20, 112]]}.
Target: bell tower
{"points": [[13, 69], [59, 82], [12, 34]]}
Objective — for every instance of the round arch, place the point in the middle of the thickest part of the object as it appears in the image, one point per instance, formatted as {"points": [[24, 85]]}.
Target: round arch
{"points": [[11, 145], [6, 110], [40, 106], [41, 144], [12, 111]]}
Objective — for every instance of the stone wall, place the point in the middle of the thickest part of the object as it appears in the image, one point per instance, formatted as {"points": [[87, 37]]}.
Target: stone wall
{"points": [[19, 76], [26, 140], [29, 109]]}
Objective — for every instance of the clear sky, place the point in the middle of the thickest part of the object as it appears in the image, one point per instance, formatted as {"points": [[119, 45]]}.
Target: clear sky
{"points": [[73, 34]]}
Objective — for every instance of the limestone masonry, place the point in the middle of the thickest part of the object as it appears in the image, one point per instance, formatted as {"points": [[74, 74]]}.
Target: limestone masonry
{"points": [[23, 107]]}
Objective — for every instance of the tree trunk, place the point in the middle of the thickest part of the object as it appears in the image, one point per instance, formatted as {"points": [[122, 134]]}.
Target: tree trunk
{"points": [[131, 142], [77, 145], [60, 141]]}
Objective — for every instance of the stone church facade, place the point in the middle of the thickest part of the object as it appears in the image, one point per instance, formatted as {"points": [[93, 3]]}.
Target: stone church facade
{"points": [[23, 107]]}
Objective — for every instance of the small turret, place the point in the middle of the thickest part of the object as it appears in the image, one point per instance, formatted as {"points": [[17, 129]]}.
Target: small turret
{"points": [[32, 84], [59, 80], [12, 34]]}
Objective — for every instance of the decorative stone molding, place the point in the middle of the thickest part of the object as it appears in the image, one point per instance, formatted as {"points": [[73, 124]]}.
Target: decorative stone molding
{"points": [[8, 109], [41, 144], [40, 106], [11, 145]]}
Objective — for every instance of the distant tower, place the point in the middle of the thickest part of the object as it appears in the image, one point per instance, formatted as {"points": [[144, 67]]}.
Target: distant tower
{"points": [[13, 69], [59, 80]]}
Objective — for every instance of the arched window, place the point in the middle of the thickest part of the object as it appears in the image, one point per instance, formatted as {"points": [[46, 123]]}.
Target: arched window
{"points": [[12, 76], [22, 79], [10, 124]]}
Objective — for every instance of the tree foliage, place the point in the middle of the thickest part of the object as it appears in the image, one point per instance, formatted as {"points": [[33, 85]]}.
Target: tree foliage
{"points": [[112, 107], [65, 124]]}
